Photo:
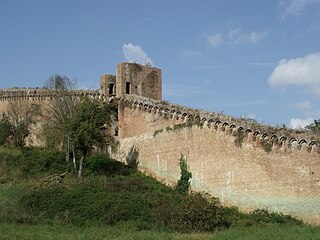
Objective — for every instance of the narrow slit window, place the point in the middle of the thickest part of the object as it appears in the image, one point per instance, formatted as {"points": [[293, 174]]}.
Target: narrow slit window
{"points": [[128, 87], [111, 89]]}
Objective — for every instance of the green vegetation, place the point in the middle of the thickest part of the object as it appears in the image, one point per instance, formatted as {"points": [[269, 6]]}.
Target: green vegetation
{"points": [[239, 137], [183, 183], [314, 127], [266, 145], [76, 124], [4, 129], [40, 199]]}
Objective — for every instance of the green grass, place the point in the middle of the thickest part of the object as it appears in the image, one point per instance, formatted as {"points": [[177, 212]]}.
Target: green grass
{"points": [[123, 232], [116, 202]]}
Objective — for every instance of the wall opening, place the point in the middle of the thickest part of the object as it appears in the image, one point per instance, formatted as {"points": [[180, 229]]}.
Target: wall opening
{"points": [[111, 89], [128, 87]]}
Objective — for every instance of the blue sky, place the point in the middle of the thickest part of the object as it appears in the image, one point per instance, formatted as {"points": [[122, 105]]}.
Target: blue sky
{"points": [[252, 58]]}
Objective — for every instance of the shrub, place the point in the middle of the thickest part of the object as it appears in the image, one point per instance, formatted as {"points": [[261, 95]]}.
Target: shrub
{"points": [[102, 165], [183, 183], [32, 162], [239, 137], [196, 212], [266, 145]]}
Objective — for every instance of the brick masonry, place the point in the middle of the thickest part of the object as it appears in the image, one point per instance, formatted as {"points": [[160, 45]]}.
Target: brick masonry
{"points": [[286, 179]]}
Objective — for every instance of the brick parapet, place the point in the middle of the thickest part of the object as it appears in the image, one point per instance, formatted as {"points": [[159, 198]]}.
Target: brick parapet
{"points": [[256, 132], [41, 94]]}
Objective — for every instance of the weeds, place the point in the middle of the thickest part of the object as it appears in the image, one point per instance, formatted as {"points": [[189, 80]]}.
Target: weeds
{"points": [[239, 137]]}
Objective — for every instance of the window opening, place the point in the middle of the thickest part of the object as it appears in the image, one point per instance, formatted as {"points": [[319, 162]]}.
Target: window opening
{"points": [[127, 87], [111, 89]]}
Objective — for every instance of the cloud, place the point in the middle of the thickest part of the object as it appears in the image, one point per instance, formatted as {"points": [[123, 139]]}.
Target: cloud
{"points": [[297, 123], [294, 7], [190, 53], [304, 105], [215, 40], [257, 37], [238, 36], [134, 53], [303, 72]]}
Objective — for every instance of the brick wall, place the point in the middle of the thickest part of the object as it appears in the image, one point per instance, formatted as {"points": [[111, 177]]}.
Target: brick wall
{"points": [[286, 179]]}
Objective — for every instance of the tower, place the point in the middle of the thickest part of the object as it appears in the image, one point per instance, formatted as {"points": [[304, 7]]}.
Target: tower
{"points": [[133, 79]]}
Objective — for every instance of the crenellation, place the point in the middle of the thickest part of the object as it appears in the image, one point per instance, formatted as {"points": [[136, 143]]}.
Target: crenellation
{"points": [[263, 168], [220, 121]]}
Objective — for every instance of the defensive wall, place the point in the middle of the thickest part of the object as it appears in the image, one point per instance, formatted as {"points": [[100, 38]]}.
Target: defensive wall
{"points": [[244, 163], [38, 95], [272, 168]]}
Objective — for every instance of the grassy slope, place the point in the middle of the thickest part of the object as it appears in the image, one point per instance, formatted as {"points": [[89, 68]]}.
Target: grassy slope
{"points": [[119, 183], [268, 231]]}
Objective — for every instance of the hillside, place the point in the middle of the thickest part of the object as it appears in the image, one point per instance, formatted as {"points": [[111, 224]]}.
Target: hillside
{"points": [[39, 194]]}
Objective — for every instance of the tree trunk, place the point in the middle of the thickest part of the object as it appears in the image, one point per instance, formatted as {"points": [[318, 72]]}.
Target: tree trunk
{"points": [[80, 176], [68, 151], [74, 161]]}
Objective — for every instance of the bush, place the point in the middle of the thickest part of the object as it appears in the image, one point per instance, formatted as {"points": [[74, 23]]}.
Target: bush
{"points": [[257, 217], [183, 183], [196, 212], [31, 162], [102, 165]]}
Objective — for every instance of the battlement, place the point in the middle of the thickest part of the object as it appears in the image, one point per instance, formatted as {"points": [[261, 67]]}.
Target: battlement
{"points": [[256, 133], [41, 94]]}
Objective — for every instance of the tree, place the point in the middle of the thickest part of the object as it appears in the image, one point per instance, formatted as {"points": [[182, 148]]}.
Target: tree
{"points": [[21, 116], [86, 128], [76, 124], [5, 128], [60, 110]]}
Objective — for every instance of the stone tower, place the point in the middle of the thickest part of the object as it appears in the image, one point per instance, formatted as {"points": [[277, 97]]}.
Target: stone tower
{"points": [[135, 79]]}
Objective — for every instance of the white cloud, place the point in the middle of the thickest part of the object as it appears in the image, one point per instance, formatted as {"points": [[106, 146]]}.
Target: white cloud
{"points": [[303, 71], [238, 36], [256, 37], [134, 53], [294, 7], [215, 40], [304, 105], [297, 123], [190, 53]]}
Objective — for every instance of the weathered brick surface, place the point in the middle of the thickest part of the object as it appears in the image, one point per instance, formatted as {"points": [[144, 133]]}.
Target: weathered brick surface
{"points": [[286, 179], [144, 81]]}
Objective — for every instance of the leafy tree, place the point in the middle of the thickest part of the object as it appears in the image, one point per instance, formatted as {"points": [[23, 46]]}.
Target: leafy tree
{"points": [[86, 128], [5, 128], [59, 112]]}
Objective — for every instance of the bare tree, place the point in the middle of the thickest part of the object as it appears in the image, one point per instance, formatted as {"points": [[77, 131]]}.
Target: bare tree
{"points": [[21, 115]]}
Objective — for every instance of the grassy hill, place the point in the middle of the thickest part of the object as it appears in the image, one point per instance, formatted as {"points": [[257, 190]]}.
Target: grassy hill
{"points": [[41, 199]]}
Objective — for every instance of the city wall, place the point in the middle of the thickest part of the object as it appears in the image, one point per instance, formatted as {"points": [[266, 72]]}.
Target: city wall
{"points": [[284, 177], [24, 98], [274, 168]]}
